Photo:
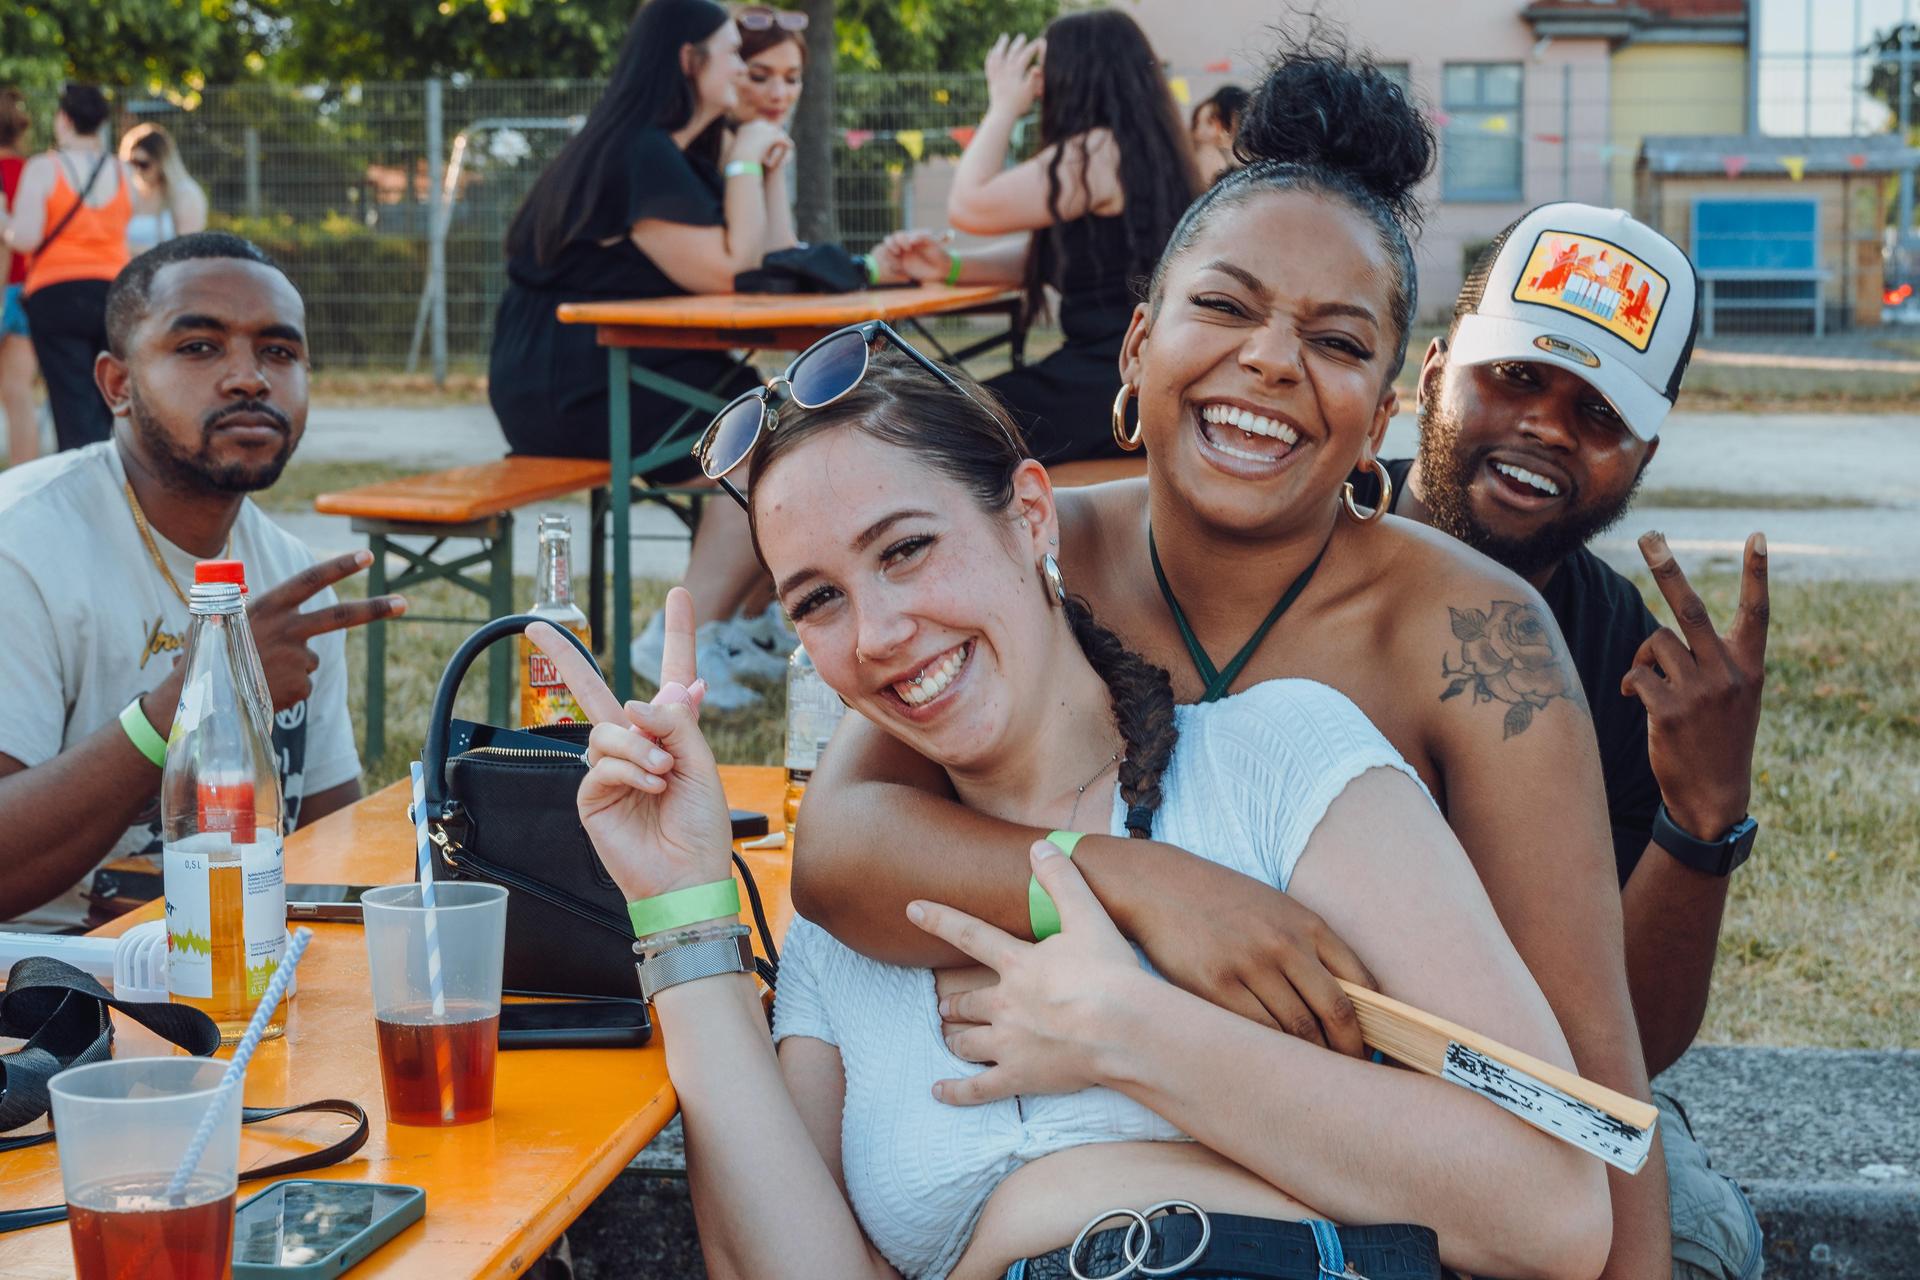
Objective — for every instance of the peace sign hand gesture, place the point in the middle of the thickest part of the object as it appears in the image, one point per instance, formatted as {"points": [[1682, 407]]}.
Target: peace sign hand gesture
{"points": [[1702, 693], [651, 801], [1041, 1025]]}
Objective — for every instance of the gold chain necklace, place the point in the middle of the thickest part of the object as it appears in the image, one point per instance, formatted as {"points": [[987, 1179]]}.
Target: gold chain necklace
{"points": [[159, 561]]}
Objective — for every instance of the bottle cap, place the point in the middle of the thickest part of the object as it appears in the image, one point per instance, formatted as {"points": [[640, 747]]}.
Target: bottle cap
{"points": [[221, 571]]}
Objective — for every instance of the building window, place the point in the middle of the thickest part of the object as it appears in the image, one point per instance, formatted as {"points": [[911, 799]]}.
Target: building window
{"points": [[1480, 156]]}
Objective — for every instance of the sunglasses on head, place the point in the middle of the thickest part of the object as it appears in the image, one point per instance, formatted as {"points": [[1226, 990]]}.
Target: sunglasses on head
{"points": [[758, 17], [818, 376]]}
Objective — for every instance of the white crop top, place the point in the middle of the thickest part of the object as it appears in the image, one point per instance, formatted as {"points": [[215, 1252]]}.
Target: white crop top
{"points": [[1250, 779]]}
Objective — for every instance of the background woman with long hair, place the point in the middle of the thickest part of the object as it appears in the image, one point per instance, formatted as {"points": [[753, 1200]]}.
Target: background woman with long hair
{"points": [[1112, 177], [1213, 124], [70, 216], [653, 198], [167, 202]]}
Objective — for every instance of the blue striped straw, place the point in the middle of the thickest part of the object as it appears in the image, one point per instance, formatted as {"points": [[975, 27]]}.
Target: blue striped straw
{"points": [[237, 1069], [436, 983]]}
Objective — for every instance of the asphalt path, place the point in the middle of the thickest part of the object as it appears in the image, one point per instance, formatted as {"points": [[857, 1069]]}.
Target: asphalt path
{"points": [[1864, 458]]}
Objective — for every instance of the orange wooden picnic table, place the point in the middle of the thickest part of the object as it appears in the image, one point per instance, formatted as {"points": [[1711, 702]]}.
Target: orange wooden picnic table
{"points": [[566, 1121], [723, 322]]}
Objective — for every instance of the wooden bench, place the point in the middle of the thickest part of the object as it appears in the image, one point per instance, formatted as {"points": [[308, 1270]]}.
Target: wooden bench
{"points": [[1074, 475], [465, 502], [1763, 290]]}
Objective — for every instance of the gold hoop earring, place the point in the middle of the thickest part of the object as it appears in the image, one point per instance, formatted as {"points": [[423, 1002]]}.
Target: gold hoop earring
{"points": [[1055, 580], [1120, 436], [1380, 507]]}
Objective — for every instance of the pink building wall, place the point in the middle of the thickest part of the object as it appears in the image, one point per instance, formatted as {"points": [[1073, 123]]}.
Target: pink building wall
{"points": [[1564, 95]]}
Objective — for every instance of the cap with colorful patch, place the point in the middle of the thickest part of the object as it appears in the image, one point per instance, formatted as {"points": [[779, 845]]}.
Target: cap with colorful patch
{"points": [[1592, 290]]}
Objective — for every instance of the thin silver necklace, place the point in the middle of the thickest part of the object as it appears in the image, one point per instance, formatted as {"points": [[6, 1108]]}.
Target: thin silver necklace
{"points": [[1081, 793]]}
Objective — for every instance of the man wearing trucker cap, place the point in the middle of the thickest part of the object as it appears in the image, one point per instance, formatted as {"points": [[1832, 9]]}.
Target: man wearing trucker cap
{"points": [[1539, 412]]}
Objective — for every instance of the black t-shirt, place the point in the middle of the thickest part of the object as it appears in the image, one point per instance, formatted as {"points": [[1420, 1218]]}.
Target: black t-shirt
{"points": [[1604, 620], [656, 180]]}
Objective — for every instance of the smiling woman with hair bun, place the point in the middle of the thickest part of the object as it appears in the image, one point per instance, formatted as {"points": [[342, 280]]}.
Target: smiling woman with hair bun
{"points": [[1261, 371]]}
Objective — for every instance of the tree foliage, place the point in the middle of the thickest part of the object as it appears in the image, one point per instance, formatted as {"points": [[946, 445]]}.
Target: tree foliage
{"points": [[1883, 82], [931, 35], [181, 45]]}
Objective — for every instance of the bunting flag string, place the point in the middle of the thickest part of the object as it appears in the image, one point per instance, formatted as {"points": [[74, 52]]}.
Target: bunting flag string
{"points": [[1733, 164], [1181, 90], [1223, 67]]}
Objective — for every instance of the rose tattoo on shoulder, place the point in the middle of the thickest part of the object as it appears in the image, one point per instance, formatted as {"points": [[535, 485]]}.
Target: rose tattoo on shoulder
{"points": [[1508, 654]]}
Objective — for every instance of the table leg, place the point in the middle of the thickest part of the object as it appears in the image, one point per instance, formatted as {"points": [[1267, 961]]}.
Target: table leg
{"points": [[501, 662], [376, 708], [597, 570], [620, 454]]}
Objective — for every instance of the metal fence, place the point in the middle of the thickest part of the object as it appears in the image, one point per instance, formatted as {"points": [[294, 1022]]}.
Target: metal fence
{"points": [[347, 187]]}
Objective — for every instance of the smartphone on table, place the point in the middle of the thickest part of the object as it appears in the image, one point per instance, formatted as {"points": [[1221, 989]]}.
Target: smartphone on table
{"points": [[575, 1024], [307, 1228], [325, 902]]}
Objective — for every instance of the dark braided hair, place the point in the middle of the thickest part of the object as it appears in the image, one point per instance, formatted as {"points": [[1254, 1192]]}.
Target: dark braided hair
{"points": [[971, 440], [1142, 696]]}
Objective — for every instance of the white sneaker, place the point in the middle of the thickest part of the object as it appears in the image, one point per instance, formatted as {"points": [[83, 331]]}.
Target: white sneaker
{"points": [[749, 658], [721, 653], [719, 659], [768, 630]]}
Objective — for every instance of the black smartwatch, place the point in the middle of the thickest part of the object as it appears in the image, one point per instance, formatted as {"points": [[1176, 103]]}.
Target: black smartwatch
{"points": [[1713, 857]]}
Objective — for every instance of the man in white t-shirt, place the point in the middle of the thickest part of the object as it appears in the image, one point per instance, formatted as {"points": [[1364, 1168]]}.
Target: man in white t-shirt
{"points": [[207, 381]]}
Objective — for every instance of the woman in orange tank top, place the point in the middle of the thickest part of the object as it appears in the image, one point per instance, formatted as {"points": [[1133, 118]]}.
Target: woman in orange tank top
{"points": [[70, 216]]}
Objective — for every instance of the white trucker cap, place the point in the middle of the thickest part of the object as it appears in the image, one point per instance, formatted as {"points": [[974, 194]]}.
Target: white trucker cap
{"points": [[1594, 291]]}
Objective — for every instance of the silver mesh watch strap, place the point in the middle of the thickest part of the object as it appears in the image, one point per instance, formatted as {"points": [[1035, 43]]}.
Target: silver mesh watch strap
{"points": [[706, 959]]}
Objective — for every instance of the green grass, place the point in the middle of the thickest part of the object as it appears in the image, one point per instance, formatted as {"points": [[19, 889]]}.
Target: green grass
{"points": [[1818, 943], [302, 482], [1715, 499]]}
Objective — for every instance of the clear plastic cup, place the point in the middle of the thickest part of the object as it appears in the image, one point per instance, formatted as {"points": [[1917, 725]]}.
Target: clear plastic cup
{"points": [[123, 1128], [436, 1057]]}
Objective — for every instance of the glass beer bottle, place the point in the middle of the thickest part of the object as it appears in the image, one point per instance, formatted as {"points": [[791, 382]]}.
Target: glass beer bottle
{"points": [[544, 696], [220, 815], [813, 712]]}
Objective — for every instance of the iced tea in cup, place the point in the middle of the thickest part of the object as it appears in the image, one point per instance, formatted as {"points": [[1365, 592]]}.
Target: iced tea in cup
{"points": [[124, 1127], [438, 1028]]}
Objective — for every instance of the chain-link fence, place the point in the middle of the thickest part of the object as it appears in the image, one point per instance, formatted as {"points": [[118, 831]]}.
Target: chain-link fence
{"points": [[342, 185]]}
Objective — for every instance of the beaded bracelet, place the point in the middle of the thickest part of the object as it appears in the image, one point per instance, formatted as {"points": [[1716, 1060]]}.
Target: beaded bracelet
{"points": [[653, 944]]}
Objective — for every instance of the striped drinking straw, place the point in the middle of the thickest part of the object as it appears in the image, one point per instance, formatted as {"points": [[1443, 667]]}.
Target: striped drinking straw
{"points": [[237, 1069], [436, 983]]}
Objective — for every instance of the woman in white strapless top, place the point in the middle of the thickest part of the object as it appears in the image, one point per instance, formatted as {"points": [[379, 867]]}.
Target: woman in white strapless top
{"points": [[167, 202], [910, 539]]}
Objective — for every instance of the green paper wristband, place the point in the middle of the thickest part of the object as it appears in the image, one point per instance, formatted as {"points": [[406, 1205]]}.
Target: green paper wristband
{"points": [[871, 266], [744, 169], [145, 738], [953, 267], [1041, 912], [683, 907]]}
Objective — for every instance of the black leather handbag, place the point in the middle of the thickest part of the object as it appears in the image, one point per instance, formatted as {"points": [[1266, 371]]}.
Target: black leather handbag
{"points": [[805, 268], [500, 809]]}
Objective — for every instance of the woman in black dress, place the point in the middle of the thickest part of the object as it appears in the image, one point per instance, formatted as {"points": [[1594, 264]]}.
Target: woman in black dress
{"points": [[653, 198], [1094, 208]]}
